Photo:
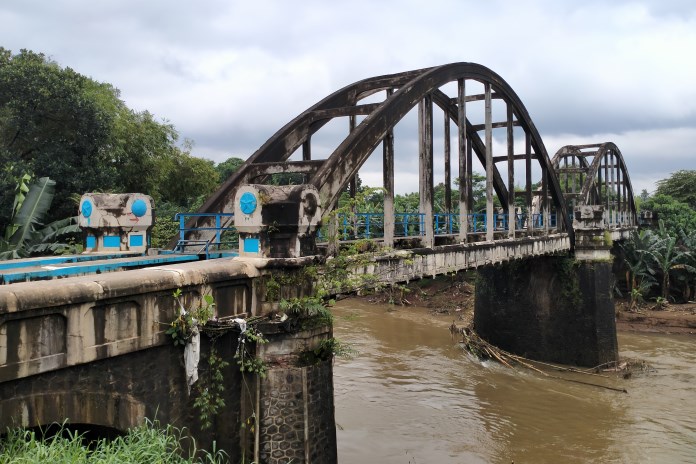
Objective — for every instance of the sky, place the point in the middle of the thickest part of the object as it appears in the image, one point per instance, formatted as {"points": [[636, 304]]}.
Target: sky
{"points": [[228, 74]]}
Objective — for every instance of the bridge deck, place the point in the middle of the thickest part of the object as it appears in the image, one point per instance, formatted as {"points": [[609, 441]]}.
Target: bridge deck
{"points": [[79, 265]]}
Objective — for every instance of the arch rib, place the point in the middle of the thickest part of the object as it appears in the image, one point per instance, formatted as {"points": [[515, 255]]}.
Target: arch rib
{"points": [[404, 91], [347, 159]]}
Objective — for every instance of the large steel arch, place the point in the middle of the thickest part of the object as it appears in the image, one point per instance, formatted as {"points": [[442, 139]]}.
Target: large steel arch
{"points": [[405, 91], [357, 147], [596, 175]]}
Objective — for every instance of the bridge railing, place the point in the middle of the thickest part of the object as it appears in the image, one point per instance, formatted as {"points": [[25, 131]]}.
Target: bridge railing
{"points": [[357, 226], [225, 236]]}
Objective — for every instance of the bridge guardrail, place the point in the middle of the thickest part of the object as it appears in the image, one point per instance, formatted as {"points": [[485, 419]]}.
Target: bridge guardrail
{"points": [[205, 245]]}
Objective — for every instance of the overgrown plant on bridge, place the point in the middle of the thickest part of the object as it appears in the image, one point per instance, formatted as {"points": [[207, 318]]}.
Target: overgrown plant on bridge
{"points": [[185, 331]]}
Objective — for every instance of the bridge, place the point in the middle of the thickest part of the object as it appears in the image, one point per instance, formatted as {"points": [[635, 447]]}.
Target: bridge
{"points": [[93, 347]]}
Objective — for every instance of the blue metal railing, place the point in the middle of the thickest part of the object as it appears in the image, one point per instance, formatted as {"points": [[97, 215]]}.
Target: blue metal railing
{"points": [[371, 226], [205, 245]]}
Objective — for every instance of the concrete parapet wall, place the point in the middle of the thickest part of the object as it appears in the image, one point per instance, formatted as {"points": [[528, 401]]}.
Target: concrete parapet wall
{"points": [[50, 325], [401, 266]]}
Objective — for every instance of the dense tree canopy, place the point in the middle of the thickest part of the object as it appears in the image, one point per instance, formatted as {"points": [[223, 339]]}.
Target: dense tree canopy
{"points": [[56, 122], [681, 186]]}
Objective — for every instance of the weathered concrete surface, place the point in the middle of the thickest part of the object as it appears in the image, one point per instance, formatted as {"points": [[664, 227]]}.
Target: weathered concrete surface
{"points": [[296, 402], [402, 266], [93, 350], [120, 391], [51, 325], [550, 309]]}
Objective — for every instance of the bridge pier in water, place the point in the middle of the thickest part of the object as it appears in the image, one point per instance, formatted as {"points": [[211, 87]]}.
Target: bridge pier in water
{"points": [[554, 308]]}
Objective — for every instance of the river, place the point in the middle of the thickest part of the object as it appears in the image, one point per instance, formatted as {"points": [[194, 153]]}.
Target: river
{"points": [[412, 396]]}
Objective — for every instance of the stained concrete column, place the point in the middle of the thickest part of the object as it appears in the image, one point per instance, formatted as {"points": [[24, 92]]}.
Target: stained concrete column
{"points": [[294, 401], [552, 309], [388, 183], [464, 162], [425, 168], [490, 224]]}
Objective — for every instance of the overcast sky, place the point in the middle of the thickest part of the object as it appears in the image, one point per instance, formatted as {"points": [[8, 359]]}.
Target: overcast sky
{"points": [[228, 74]]}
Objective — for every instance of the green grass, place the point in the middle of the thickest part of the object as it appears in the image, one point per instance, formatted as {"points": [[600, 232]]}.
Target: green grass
{"points": [[148, 443]]}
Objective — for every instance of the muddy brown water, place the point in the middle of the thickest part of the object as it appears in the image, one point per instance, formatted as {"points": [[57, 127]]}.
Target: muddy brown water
{"points": [[412, 396]]}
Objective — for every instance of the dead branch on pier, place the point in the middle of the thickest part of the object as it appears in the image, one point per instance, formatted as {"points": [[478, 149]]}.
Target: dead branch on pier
{"points": [[480, 348]]}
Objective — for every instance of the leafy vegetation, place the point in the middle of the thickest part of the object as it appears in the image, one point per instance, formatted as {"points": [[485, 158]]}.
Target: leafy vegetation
{"points": [[661, 262], [680, 186], [58, 123], [25, 234], [149, 442]]}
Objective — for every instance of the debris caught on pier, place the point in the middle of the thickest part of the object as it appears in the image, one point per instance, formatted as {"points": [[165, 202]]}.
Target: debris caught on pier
{"points": [[483, 350]]}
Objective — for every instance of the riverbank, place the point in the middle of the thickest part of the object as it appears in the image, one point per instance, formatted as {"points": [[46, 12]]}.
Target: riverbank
{"points": [[453, 296], [673, 319]]}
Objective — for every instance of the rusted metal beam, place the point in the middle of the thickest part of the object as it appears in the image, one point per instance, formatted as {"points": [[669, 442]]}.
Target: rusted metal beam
{"points": [[511, 172], [571, 169], [464, 161], [477, 97], [528, 178], [388, 183], [448, 178], [500, 158], [307, 150]]}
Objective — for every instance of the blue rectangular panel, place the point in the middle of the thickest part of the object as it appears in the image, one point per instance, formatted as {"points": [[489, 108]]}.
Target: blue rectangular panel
{"points": [[112, 241], [91, 241], [135, 240], [251, 245]]}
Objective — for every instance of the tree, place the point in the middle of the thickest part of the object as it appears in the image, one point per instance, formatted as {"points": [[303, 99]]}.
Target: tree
{"points": [[56, 122], [52, 123], [188, 179], [675, 215], [228, 167], [638, 260], [681, 186]]}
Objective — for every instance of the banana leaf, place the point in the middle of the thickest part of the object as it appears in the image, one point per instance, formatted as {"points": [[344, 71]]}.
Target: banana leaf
{"points": [[31, 214]]}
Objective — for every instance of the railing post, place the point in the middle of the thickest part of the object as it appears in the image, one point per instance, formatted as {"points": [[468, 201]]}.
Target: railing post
{"points": [[182, 223]]}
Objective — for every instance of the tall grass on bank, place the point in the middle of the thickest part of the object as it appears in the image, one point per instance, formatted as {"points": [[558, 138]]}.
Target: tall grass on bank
{"points": [[148, 443]]}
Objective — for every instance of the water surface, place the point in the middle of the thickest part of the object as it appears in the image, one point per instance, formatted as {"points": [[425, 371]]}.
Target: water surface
{"points": [[412, 395]]}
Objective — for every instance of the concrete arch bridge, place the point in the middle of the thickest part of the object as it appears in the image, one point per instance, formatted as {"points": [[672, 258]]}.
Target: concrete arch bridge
{"points": [[93, 348], [527, 194]]}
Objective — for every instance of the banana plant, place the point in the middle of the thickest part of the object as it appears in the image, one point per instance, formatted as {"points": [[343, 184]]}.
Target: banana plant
{"points": [[638, 260], [669, 258], [26, 233]]}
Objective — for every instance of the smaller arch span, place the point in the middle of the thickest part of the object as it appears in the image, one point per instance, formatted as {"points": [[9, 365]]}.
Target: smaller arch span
{"points": [[107, 410], [597, 175]]}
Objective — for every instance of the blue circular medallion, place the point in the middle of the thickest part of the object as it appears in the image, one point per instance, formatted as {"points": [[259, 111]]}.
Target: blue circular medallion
{"points": [[139, 208], [86, 208], [247, 203]]}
